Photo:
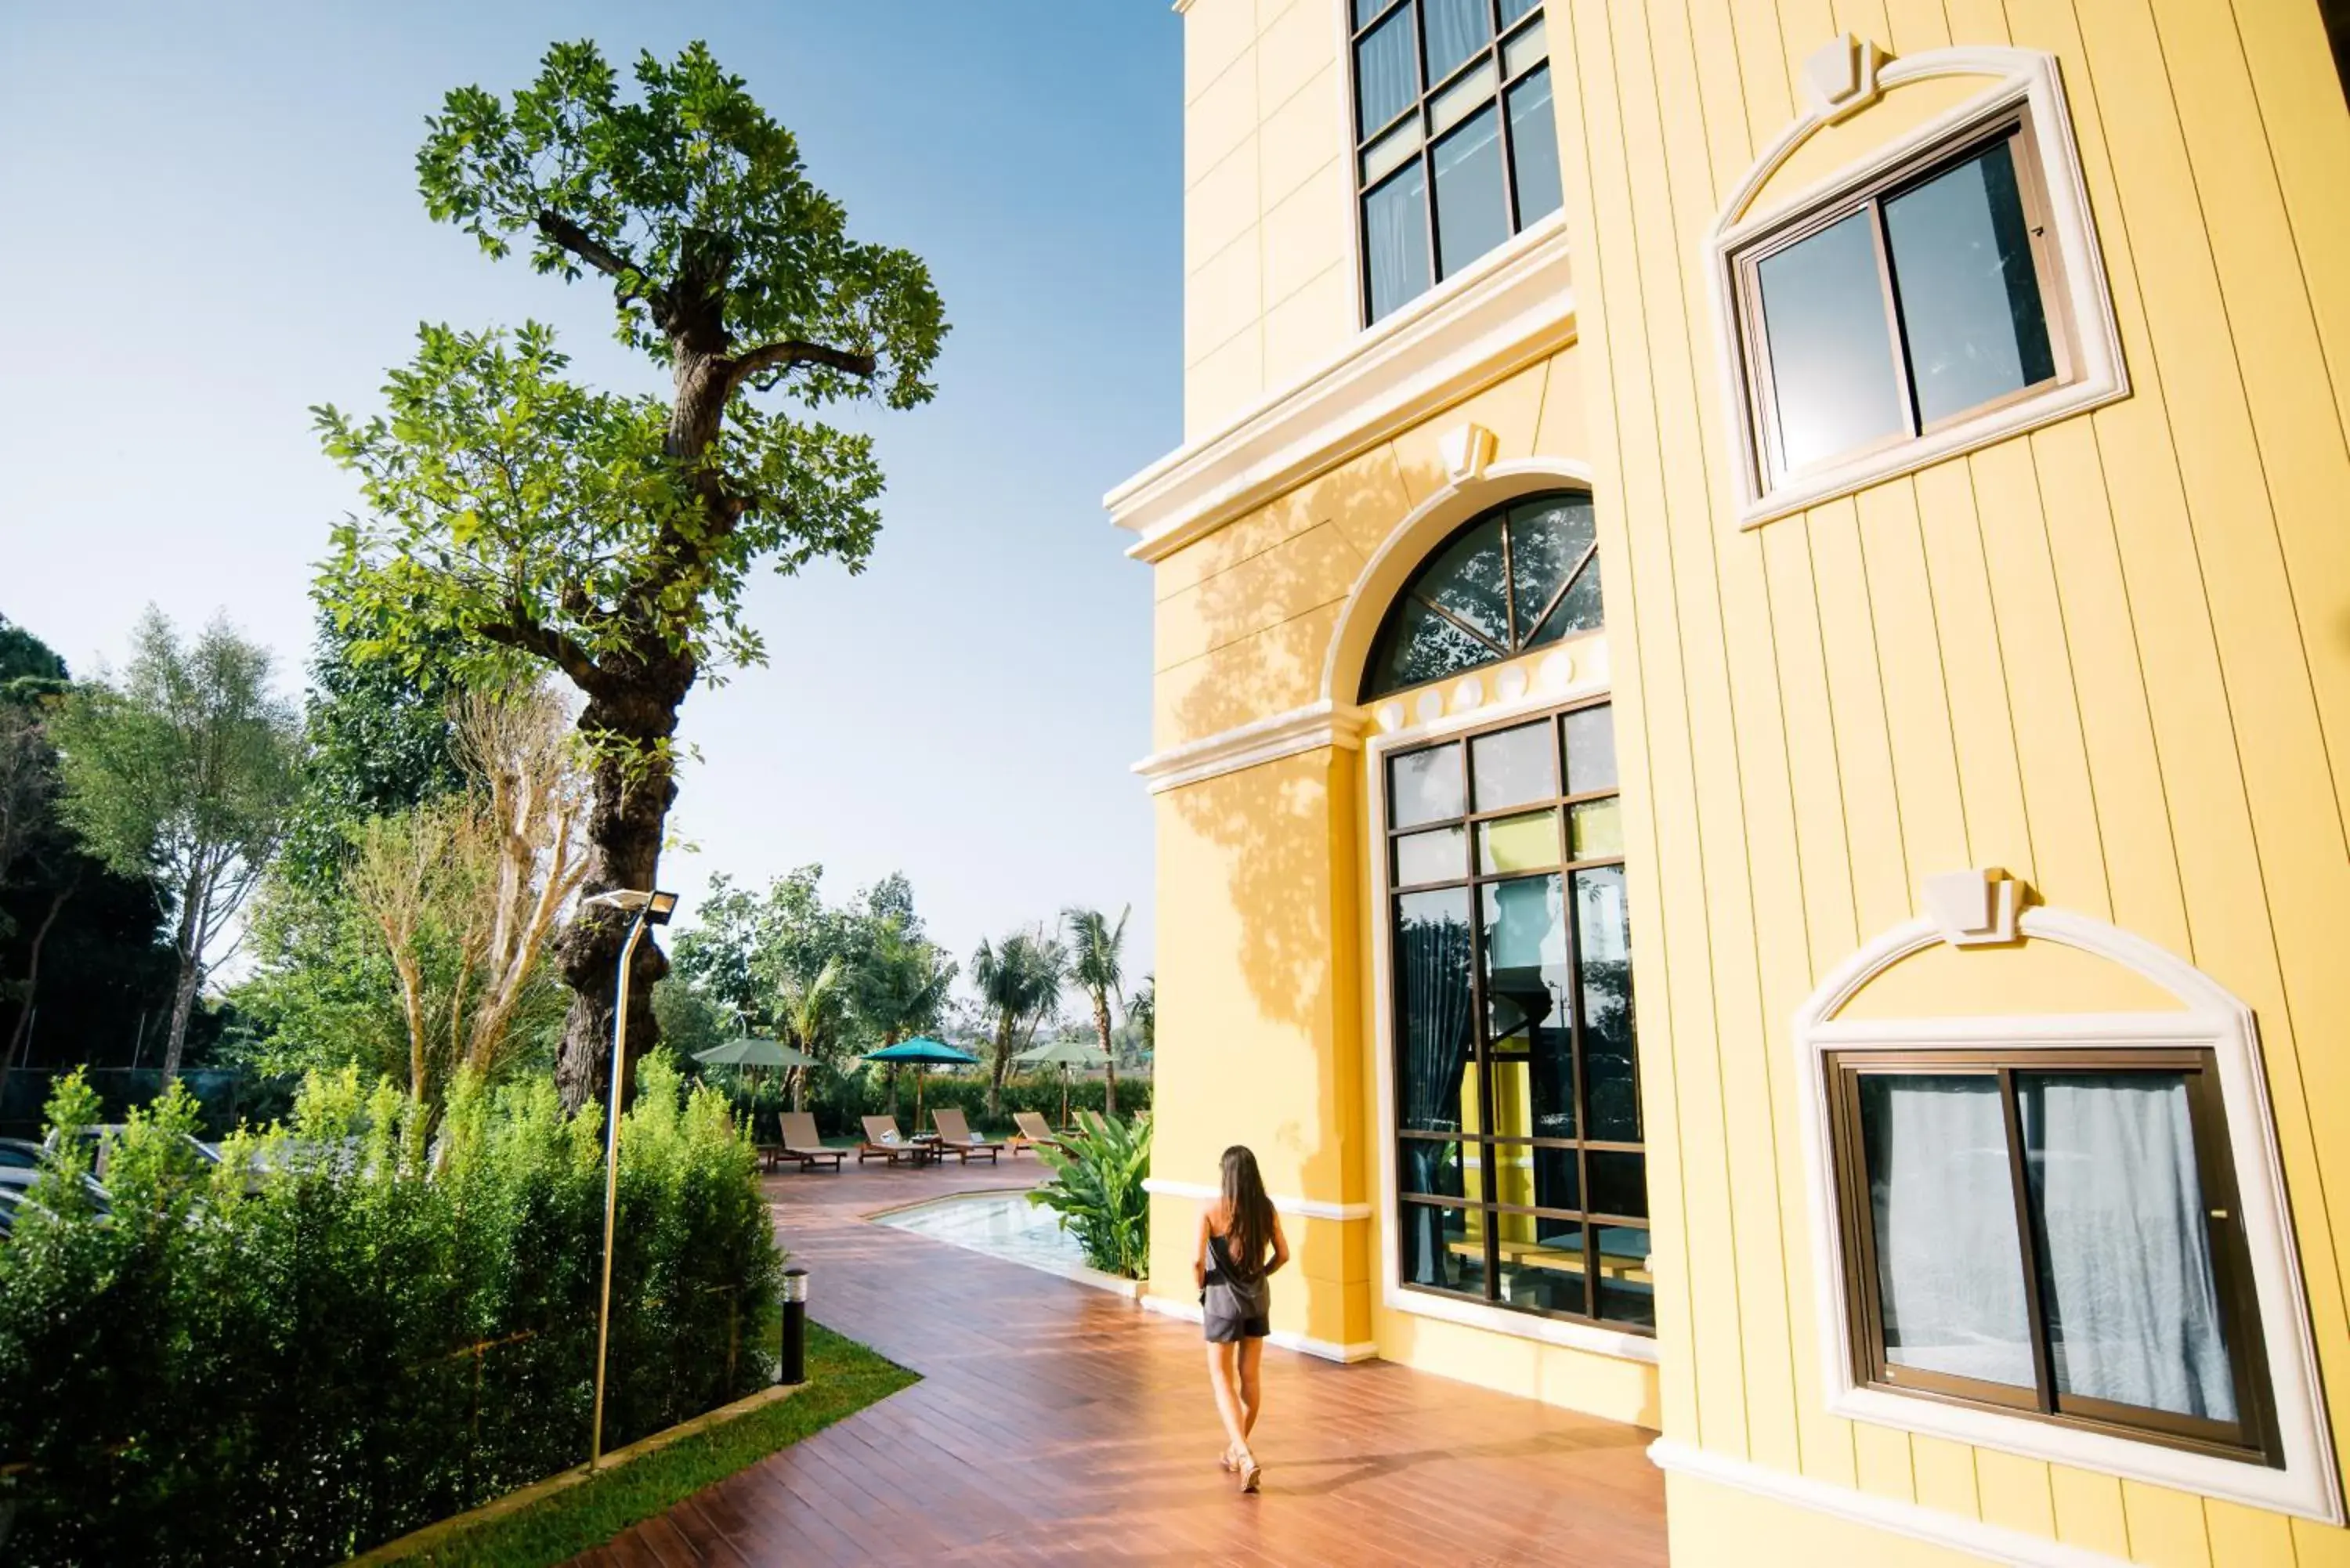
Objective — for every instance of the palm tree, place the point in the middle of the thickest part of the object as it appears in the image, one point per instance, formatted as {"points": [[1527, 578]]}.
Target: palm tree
{"points": [[808, 1010], [1142, 1012], [899, 988], [1097, 954], [1019, 982]]}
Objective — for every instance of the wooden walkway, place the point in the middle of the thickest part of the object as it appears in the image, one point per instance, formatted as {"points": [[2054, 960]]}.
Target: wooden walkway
{"points": [[1056, 1423]]}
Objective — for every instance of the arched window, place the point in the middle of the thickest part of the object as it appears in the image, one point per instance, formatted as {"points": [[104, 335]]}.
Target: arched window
{"points": [[1515, 578]]}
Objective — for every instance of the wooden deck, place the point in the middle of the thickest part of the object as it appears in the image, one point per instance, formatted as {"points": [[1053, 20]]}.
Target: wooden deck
{"points": [[1056, 1423]]}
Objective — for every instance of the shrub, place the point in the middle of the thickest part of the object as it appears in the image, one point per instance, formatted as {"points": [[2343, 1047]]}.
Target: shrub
{"points": [[1096, 1189], [365, 1322]]}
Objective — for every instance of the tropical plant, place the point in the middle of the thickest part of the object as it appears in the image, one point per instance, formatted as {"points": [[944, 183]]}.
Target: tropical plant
{"points": [[185, 772], [810, 1012], [612, 538], [897, 988], [1096, 1189], [1142, 1012], [1097, 954], [1019, 982]]}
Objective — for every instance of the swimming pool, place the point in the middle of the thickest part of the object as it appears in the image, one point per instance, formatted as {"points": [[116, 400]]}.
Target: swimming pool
{"points": [[1003, 1225]]}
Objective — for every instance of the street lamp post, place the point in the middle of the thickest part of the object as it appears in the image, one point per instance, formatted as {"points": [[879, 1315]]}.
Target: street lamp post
{"points": [[650, 909]]}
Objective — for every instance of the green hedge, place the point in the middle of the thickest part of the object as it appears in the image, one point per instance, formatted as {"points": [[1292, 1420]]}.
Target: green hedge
{"points": [[839, 1100], [349, 1330]]}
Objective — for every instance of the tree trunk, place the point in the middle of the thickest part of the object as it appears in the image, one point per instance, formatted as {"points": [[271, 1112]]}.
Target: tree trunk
{"points": [[1109, 1054], [628, 722], [24, 1026], [183, 994], [1002, 1066]]}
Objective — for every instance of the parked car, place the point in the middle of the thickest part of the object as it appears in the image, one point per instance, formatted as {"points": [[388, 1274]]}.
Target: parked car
{"points": [[100, 1139], [20, 1154], [16, 1195]]}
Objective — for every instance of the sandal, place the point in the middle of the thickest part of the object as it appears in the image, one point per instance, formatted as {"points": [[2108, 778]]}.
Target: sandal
{"points": [[1251, 1473], [1228, 1463]]}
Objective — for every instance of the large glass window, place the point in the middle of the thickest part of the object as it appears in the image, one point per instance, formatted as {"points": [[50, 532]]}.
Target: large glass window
{"points": [[1517, 578], [1520, 1175], [1454, 146], [2053, 1233], [1923, 299]]}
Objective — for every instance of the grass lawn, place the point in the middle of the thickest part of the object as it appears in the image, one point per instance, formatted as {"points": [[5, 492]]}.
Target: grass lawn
{"points": [[843, 1378]]}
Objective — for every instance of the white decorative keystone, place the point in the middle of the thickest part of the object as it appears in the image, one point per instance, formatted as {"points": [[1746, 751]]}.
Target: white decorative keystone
{"points": [[1973, 907], [1840, 76], [1466, 450]]}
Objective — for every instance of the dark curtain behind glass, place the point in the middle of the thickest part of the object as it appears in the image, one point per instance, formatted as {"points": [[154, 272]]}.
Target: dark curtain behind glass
{"points": [[1433, 961]]}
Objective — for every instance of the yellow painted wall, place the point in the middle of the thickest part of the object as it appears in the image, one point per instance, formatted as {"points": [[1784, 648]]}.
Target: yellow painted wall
{"points": [[2109, 656], [1269, 287]]}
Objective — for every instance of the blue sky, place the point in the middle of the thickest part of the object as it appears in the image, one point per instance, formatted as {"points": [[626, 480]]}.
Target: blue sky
{"points": [[212, 223]]}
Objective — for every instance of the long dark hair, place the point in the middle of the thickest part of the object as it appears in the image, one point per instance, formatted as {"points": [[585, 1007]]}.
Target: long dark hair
{"points": [[1248, 1212]]}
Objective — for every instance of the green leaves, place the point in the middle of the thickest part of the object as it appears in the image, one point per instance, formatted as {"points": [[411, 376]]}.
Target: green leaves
{"points": [[1096, 1189]]}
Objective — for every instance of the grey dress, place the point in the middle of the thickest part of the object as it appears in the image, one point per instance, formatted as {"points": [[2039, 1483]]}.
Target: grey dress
{"points": [[1232, 1306]]}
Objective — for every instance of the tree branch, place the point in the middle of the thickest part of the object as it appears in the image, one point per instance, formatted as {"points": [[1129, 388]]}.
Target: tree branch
{"points": [[632, 278], [784, 356], [522, 629]]}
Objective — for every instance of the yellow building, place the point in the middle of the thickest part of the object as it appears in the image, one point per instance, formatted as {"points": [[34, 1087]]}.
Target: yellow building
{"points": [[1826, 528]]}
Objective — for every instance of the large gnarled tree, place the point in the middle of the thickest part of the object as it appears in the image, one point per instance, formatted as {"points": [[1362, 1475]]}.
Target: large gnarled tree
{"points": [[610, 537]]}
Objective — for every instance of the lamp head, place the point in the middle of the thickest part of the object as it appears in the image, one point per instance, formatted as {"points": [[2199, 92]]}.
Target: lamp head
{"points": [[656, 908]]}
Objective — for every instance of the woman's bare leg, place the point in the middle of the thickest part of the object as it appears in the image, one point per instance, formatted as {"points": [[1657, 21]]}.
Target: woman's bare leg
{"points": [[1252, 1359], [1220, 1379]]}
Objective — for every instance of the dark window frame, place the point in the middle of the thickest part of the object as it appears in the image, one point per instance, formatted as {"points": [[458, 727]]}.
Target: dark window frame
{"points": [[2012, 125], [1360, 142], [1471, 884], [2253, 1437]]}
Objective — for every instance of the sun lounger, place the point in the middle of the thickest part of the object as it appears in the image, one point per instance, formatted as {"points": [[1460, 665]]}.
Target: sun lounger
{"points": [[956, 1138], [884, 1141], [801, 1142], [1034, 1132]]}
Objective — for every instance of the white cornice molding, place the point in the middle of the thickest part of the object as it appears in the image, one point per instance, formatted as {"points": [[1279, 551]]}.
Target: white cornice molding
{"points": [[1971, 1536], [1304, 1208], [1514, 307], [1309, 729]]}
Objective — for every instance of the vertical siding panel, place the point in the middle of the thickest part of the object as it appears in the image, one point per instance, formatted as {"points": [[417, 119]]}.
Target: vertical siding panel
{"points": [[2240, 1534], [2016, 1493], [1698, 1347], [2089, 1512], [2117, 727], [1679, 210], [1946, 1475], [1881, 876], [1991, 784], [1909, 665], [2166, 1527]]}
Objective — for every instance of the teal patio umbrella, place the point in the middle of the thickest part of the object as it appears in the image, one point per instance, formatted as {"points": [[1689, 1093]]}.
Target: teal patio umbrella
{"points": [[1065, 1055], [922, 1052]]}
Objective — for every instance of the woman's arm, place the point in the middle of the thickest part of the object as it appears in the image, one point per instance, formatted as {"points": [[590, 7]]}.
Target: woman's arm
{"points": [[1280, 1246], [1199, 1253]]}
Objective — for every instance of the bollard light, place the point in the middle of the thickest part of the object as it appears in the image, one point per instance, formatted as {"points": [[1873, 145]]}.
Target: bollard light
{"points": [[791, 1367]]}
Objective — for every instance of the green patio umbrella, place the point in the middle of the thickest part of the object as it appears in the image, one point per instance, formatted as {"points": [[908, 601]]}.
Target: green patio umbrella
{"points": [[923, 1052], [1064, 1054], [754, 1053]]}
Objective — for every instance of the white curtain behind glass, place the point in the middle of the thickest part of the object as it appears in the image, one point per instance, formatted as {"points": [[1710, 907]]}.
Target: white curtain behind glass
{"points": [[1949, 1272], [2127, 1278]]}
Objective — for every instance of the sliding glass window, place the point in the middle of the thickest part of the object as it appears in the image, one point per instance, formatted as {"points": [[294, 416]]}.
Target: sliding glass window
{"points": [[1455, 147], [1520, 1173]]}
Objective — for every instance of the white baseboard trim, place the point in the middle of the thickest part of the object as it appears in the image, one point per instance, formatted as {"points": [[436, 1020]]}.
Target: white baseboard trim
{"points": [[1954, 1532], [1174, 1306], [1305, 1208]]}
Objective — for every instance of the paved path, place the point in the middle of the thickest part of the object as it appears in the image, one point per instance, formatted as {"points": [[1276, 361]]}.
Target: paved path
{"points": [[1056, 1423]]}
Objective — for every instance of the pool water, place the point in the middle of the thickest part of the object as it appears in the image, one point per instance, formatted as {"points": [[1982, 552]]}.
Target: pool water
{"points": [[1001, 1224]]}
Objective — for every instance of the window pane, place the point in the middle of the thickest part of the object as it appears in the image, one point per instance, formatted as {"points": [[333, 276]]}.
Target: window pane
{"points": [[1548, 539], [1558, 1183], [1436, 1168], [1595, 828], [1421, 645], [1526, 979], [1970, 298], [1542, 1265], [2124, 1256], [1529, 47], [1453, 105], [1513, 9], [1471, 218], [1395, 239], [1456, 30], [1949, 1269], [1591, 749], [1366, 9], [1443, 1249], [1627, 1293], [1441, 855], [1424, 786], [1390, 151], [1831, 356], [1619, 1182], [1385, 82], [1533, 146], [1603, 946], [1527, 842], [1511, 767], [1433, 1011], [1469, 578], [1578, 610]]}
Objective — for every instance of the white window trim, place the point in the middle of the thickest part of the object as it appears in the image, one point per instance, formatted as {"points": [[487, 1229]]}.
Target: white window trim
{"points": [[2210, 1019], [2024, 77], [1589, 1337]]}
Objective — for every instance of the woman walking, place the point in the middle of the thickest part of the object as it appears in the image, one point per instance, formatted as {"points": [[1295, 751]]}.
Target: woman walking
{"points": [[1240, 1247]]}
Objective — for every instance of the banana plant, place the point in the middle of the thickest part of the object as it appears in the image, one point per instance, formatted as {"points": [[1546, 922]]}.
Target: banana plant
{"points": [[1096, 1189]]}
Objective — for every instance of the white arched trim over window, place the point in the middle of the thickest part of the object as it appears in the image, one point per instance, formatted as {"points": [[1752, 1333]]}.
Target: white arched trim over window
{"points": [[2301, 1478]]}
